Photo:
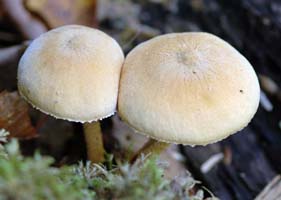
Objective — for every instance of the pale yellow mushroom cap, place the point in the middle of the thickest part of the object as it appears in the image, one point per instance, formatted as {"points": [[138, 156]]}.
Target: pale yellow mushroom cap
{"points": [[187, 88], [72, 73]]}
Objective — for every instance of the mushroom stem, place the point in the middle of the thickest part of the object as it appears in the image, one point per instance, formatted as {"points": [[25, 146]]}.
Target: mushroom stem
{"points": [[93, 137], [152, 146]]}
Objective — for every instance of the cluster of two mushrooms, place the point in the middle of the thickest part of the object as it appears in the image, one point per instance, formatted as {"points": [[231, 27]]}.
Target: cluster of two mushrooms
{"points": [[186, 88]]}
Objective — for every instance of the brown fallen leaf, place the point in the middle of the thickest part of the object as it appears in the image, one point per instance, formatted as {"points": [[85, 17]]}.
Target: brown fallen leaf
{"points": [[57, 13], [14, 116]]}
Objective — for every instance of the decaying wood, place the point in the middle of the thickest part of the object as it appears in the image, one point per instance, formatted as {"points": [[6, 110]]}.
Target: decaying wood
{"points": [[240, 177], [272, 191], [254, 28]]}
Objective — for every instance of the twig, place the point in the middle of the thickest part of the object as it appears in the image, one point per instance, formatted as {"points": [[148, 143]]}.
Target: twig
{"points": [[265, 102], [272, 191], [211, 162], [29, 26], [11, 53]]}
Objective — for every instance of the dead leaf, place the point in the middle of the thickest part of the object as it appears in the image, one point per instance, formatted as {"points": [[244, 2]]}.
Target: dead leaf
{"points": [[57, 13], [14, 116]]}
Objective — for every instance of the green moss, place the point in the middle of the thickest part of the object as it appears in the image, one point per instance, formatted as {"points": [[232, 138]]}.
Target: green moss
{"points": [[33, 178]]}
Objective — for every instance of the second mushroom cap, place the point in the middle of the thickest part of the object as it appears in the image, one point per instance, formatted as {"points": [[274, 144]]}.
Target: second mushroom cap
{"points": [[187, 88]]}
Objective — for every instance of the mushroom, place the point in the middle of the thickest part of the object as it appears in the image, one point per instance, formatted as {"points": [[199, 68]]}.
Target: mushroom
{"points": [[187, 88], [72, 73]]}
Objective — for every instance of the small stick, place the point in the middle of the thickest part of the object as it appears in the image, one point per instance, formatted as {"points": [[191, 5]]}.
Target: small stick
{"points": [[29, 26]]}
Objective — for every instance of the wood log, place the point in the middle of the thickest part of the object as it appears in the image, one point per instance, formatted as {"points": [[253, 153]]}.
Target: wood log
{"points": [[272, 190], [243, 177], [254, 28]]}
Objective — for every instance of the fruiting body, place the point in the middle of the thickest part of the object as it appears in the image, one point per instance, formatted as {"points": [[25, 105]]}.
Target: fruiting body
{"points": [[72, 73], [187, 88]]}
